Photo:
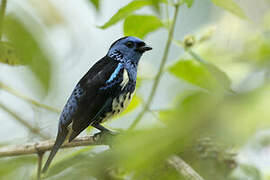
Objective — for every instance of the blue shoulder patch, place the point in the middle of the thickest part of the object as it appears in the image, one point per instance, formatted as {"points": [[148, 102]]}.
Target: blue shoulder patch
{"points": [[114, 74]]}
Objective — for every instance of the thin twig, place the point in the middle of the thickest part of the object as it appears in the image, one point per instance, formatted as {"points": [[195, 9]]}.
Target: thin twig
{"points": [[160, 71], [42, 146], [183, 168], [28, 99], [34, 130], [2, 14], [40, 157]]}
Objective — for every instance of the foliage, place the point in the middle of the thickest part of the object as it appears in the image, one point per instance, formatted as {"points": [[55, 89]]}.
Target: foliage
{"points": [[28, 50], [141, 25], [222, 102]]}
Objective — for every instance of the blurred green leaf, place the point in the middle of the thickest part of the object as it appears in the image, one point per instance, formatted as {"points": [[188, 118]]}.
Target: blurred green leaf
{"points": [[69, 160], [12, 164], [141, 25], [155, 5], [95, 3], [194, 73], [257, 48], [246, 171], [189, 3], [8, 54], [28, 49], [127, 10], [230, 6], [220, 76]]}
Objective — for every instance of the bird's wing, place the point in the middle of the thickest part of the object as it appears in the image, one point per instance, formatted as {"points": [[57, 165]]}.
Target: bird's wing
{"points": [[87, 101], [92, 94]]}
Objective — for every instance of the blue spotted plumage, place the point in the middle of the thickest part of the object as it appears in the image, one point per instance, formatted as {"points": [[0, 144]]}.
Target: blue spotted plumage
{"points": [[104, 91]]}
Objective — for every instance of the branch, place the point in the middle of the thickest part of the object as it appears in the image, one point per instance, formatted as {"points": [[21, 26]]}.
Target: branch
{"points": [[34, 130], [42, 146], [183, 168], [160, 71], [28, 99], [40, 157]]}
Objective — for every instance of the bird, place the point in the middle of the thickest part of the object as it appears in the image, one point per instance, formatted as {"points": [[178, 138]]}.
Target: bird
{"points": [[103, 92]]}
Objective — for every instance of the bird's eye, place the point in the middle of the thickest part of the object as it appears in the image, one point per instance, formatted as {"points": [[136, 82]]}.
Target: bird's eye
{"points": [[129, 44]]}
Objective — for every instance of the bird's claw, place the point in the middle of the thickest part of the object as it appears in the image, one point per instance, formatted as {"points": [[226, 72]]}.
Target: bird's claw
{"points": [[105, 134]]}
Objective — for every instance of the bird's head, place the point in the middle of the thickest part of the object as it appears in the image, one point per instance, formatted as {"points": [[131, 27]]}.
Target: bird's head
{"points": [[128, 49]]}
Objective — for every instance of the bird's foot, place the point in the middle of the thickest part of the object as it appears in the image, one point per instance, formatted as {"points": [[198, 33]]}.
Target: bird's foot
{"points": [[104, 135]]}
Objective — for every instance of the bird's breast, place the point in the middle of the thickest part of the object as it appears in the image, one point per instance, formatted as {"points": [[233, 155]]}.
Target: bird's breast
{"points": [[119, 104]]}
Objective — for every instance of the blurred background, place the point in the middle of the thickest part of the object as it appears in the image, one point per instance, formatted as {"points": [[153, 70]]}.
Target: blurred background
{"points": [[211, 106]]}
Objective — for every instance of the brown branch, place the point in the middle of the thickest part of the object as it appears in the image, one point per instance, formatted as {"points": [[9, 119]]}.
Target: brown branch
{"points": [[183, 168], [42, 146], [32, 129]]}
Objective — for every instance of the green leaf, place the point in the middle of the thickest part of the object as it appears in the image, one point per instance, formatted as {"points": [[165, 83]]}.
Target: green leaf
{"points": [[12, 164], [8, 54], [155, 5], [126, 11], [194, 73], [189, 3], [219, 75], [230, 6], [141, 25], [68, 160], [28, 48], [95, 3]]}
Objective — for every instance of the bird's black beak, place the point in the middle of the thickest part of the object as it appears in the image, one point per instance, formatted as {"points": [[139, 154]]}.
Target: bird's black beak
{"points": [[144, 48]]}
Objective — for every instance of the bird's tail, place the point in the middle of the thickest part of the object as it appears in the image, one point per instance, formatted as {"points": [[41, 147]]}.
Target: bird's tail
{"points": [[61, 136]]}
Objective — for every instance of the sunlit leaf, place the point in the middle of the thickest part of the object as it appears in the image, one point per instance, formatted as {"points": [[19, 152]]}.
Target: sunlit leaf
{"points": [[141, 25], [219, 75], [28, 49], [127, 10], [95, 3], [155, 5], [189, 2], [230, 6], [8, 54], [194, 73]]}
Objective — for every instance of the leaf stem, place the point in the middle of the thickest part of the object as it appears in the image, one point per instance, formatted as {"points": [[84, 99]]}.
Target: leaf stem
{"points": [[160, 71], [196, 57], [2, 14]]}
